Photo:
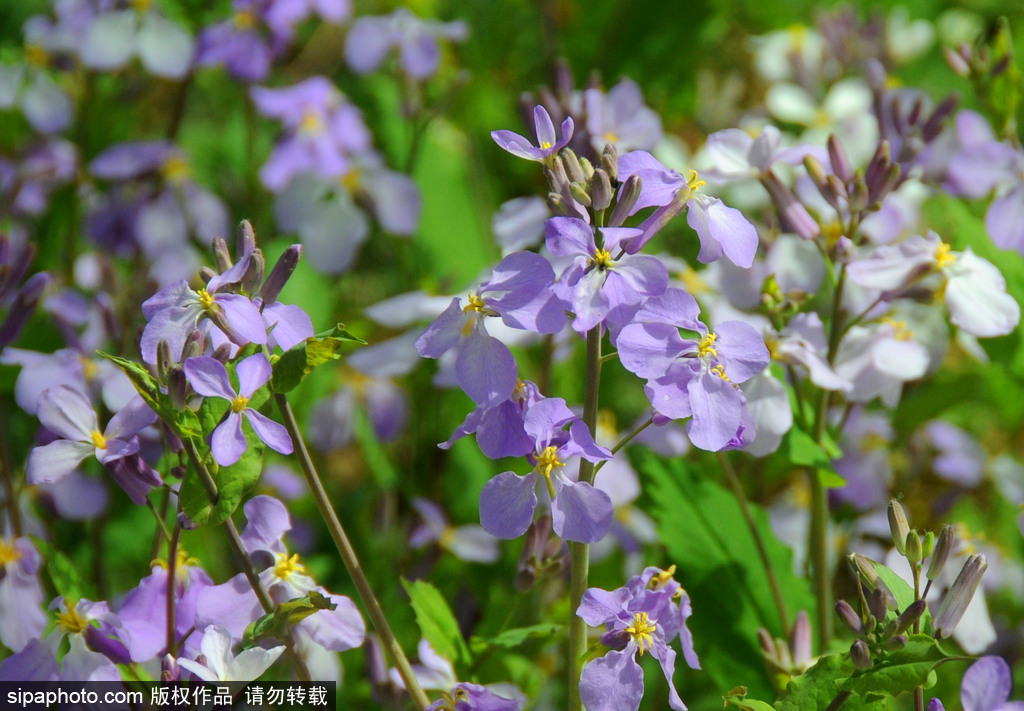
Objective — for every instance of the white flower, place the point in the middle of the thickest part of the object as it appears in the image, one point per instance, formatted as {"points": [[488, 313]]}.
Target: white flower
{"points": [[222, 665]]}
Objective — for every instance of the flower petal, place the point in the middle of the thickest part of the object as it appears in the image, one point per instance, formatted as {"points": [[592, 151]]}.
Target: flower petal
{"points": [[507, 503]]}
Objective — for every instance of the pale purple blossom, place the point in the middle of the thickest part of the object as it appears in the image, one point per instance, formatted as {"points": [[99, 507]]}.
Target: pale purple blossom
{"points": [[621, 118], [45, 105], [371, 38], [547, 142], [985, 687], [114, 37], [469, 542], [21, 595]]}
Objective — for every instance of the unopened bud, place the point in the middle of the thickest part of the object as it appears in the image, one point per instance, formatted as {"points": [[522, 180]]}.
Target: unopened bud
{"points": [[253, 276], [959, 595], [913, 549], [943, 546], [169, 669], [565, 206], [837, 188], [629, 193], [927, 544], [186, 523], [906, 619], [840, 160], [23, 306], [881, 187], [849, 617], [601, 190], [878, 164], [222, 352], [194, 345], [815, 170], [898, 525], [164, 360], [800, 640], [794, 215], [861, 655], [573, 169], [764, 638], [878, 604], [896, 643], [579, 194], [555, 174], [177, 387], [279, 275], [587, 167], [610, 161], [206, 273], [858, 193], [221, 255], [956, 61], [245, 241], [178, 471], [933, 126]]}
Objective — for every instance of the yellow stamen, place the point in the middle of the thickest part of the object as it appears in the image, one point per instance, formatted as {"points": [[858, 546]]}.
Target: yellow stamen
{"points": [[548, 460], [719, 370], [244, 20], [71, 621], [475, 304], [286, 566], [8, 551], [239, 403], [772, 344], [611, 137], [205, 299], [602, 259], [449, 702], [89, 368], [36, 55], [661, 579], [693, 282], [943, 256], [98, 440], [351, 180], [899, 328], [183, 561], [142, 5], [311, 123], [544, 145], [707, 346], [175, 168], [695, 183], [641, 631]]}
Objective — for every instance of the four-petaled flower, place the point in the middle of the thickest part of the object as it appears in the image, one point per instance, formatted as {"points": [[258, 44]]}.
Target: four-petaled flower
{"points": [[209, 378], [547, 145]]}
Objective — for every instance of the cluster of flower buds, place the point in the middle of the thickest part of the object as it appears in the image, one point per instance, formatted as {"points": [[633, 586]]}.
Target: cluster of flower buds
{"points": [[544, 555], [786, 659], [19, 300], [984, 62], [854, 191], [877, 632], [576, 185]]}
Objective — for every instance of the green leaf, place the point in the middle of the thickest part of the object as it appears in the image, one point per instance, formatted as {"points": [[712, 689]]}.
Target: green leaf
{"points": [[514, 638], [293, 366], [897, 585], [816, 688], [803, 450], [383, 471], [67, 581], [719, 566], [436, 621], [277, 624], [899, 671], [738, 698]]}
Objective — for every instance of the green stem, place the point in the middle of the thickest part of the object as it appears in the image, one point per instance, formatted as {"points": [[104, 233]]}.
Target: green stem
{"points": [[172, 573], [580, 552], [242, 555], [348, 556], [625, 440], [773, 582]]}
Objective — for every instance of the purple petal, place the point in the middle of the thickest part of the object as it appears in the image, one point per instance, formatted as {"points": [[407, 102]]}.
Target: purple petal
{"points": [[474, 544], [339, 629], [287, 325], [741, 350], [54, 461], [267, 522], [227, 442], [1005, 220], [717, 412], [674, 306], [66, 412], [443, 334], [642, 275], [986, 684], [581, 513], [243, 316], [614, 682], [546, 417], [274, 435], [517, 145], [132, 418], [507, 503], [233, 605], [209, 377], [591, 302], [500, 432], [666, 657], [253, 373], [485, 369], [598, 607], [569, 237]]}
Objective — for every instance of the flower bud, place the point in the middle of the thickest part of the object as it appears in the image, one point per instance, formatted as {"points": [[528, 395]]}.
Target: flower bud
{"points": [[858, 193], [579, 194], [194, 345], [23, 306], [164, 360], [245, 241], [601, 190], [610, 161], [280, 274], [177, 387], [186, 523], [253, 276], [800, 640], [898, 526], [959, 595], [587, 167], [794, 215], [764, 638], [956, 61], [896, 643], [573, 169], [629, 193], [816, 170], [555, 174], [849, 617], [947, 538], [913, 548], [861, 655], [878, 164], [881, 187], [206, 273], [927, 544], [878, 604], [933, 126], [906, 619], [222, 352], [221, 255], [840, 161], [169, 669]]}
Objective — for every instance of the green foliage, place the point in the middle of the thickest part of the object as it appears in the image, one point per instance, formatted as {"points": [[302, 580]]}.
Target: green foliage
{"points": [[515, 638], [184, 421], [277, 624], [436, 621], [706, 537], [297, 363], [66, 578], [803, 450], [900, 671], [816, 688]]}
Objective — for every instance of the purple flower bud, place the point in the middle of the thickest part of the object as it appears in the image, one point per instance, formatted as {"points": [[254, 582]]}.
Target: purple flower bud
{"points": [[858, 194], [956, 61], [943, 546], [169, 669], [878, 604], [221, 255], [573, 168], [861, 655], [933, 126], [878, 164], [898, 525], [601, 190], [580, 194], [246, 239], [794, 215], [629, 193], [610, 161], [254, 274], [906, 619], [279, 275], [800, 640], [959, 595], [849, 617], [896, 643], [840, 161], [23, 306]]}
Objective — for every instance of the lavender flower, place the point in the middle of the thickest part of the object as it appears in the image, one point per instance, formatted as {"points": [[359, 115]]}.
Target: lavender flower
{"points": [[579, 512], [44, 104], [371, 38], [114, 37], [209, 378], [546, 146], [470, 543], [985, 687], [239, 43], [21, 596], [621, 118]]}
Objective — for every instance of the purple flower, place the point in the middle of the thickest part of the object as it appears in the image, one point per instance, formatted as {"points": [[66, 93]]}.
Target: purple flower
{"points": [[546, 146], [985, 687], [209, 378], [21, 596], [371, 38], [639, 618], [239, 43], [606, 282], [579, 512], [468, 542], [67, 413], [465, 696], [283, 15], [736, 156], [621, 118], [221, 665], [45, 105], [114, 37]]}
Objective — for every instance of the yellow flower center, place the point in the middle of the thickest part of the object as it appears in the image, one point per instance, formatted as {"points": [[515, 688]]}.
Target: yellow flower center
{"points": [[98, 440], [771, 344], [693, 281], [182, 562], [943, 256], [611, 137], [239, 403], [206, 299], [641, 631], [311, 123], [602, 259], [36, 55], [899, 329], [71, 621], [89, 368], [544, 145], [175, 168], [286, 566], [706, 346], [476, 303], [244, 20], [449, 701], [351, 180], [8, 551], [719, 370], [694, 183], [142, 5], [548, 460]]}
